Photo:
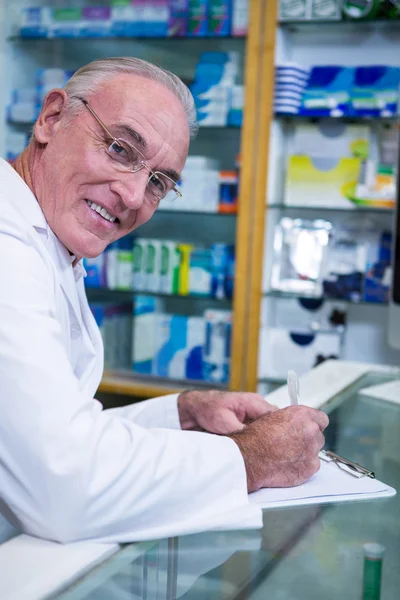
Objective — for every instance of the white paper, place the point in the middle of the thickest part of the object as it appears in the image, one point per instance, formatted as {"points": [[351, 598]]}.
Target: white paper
{"points": [[385, 391], [330, 484]]}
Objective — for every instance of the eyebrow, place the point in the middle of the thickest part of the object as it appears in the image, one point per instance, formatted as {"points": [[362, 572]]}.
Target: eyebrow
{"points": [[132, 133], [174, 175]]}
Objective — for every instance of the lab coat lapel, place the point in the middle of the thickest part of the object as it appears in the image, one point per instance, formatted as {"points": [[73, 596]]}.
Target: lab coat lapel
{"points": [[63, 261]]}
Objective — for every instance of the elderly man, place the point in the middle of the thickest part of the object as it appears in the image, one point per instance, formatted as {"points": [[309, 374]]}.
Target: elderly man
{"points": [[105, 151]]}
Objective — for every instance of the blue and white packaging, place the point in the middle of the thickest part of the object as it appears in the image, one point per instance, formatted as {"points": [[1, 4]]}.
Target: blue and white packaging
{"points": [[171, 339], [219, 264], [200, 272], [146, 314], [95, 271], [375, 91], [96, 21], [328, 91], [196, 335], [178, 18], [126, 20], [156, 18], [67, 22], [179, 350], [36, 22], [217, 347]]}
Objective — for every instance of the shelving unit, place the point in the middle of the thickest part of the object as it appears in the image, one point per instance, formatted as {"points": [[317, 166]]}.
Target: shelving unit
{"points": [[316, 43], [19, 59]]}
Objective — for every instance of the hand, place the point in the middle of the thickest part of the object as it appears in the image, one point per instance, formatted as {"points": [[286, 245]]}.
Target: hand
{"points": [[220, 412], [281, 449]]}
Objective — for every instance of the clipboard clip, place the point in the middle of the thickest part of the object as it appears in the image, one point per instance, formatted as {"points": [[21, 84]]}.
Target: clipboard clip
{"points": [[350, 467]]}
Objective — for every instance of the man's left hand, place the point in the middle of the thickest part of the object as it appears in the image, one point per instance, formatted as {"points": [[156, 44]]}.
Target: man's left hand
{"points": [[220, 412]]}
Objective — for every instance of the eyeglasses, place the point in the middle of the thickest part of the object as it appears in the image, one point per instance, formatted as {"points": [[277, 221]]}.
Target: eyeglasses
{"points": [[126, 157]]}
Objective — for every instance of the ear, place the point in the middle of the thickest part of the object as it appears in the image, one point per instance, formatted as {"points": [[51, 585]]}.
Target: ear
{"points": [[53, 107]]}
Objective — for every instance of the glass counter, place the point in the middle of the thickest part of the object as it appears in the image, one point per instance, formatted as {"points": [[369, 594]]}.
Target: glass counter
{"points": [[308, 553]]}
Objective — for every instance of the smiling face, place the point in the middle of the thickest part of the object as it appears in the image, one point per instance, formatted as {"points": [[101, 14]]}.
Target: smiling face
{"points": [[74, 174]]}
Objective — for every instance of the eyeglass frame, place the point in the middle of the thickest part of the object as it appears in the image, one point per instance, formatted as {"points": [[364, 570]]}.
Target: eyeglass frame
{"points": [[144, 164]]}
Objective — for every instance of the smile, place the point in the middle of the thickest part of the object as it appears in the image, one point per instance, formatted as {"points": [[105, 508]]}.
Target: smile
{"points": [[101, 211]]}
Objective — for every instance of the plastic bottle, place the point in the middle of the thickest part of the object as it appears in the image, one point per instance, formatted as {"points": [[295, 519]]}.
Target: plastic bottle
{"points": [[373, 556]]}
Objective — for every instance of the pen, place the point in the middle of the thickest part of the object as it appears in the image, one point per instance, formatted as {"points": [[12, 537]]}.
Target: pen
{"points": [[293, 387]]}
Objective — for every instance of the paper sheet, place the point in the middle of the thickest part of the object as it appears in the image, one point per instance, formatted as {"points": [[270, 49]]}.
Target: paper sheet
{"points": [[385, 391], [330, 484]]}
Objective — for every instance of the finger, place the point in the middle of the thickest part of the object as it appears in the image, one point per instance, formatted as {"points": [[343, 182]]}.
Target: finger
{"points": [[320, 418]]}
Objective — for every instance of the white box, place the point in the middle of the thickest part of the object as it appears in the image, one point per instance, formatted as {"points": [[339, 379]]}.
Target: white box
{"points": [[282, 350]]}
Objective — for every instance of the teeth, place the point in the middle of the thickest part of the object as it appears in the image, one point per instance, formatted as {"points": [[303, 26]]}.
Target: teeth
{"points": [[100, 210]]}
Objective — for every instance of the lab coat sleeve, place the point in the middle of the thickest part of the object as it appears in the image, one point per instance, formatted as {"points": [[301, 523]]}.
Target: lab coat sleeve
{"points": [[72, 471], [156, 412]]}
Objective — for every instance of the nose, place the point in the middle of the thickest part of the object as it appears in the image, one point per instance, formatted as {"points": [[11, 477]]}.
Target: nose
{"points": [[131, 188]]}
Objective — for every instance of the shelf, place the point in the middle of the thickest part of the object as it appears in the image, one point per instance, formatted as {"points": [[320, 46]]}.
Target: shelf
{"points": [[143, 38], [279, 294], [273, 380], [350, 211], [128, 295], [348, 24], [126, 383], [344, 118], [201, 213]]}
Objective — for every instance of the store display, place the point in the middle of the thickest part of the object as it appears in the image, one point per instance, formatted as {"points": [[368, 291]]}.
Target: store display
{"points": [[378, 275], [290, 82], [346, 264], [200, 272], [136, 18], [326, 10], [217, 92], [306, 314], [321, 182], [163, 266], [228, 192], [217, 348], [146, 311], [337, 91], [300, 250], [115, 323], [180, 347], [240, 17], [375, 91]]}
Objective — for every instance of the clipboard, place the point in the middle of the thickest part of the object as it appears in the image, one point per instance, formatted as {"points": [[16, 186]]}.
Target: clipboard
{"points": [[338, 480]]}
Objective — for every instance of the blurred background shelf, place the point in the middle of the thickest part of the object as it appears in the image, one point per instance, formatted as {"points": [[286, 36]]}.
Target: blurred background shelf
{"points": [[344, 118], [95, 293], [349, 211], [298, 296]]}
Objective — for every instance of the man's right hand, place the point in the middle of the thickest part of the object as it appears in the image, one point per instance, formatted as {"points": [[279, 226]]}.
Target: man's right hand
{"points": [[280, 449]]}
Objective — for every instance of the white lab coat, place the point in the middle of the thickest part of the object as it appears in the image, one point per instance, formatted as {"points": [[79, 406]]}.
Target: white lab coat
{"points": [[70, 470]]}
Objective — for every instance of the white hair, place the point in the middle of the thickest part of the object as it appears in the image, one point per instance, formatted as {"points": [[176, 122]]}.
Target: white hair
{"points": [[84, 83]]}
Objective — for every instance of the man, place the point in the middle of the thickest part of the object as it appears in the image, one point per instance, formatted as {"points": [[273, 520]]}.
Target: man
{"points": [[105, 151]]}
